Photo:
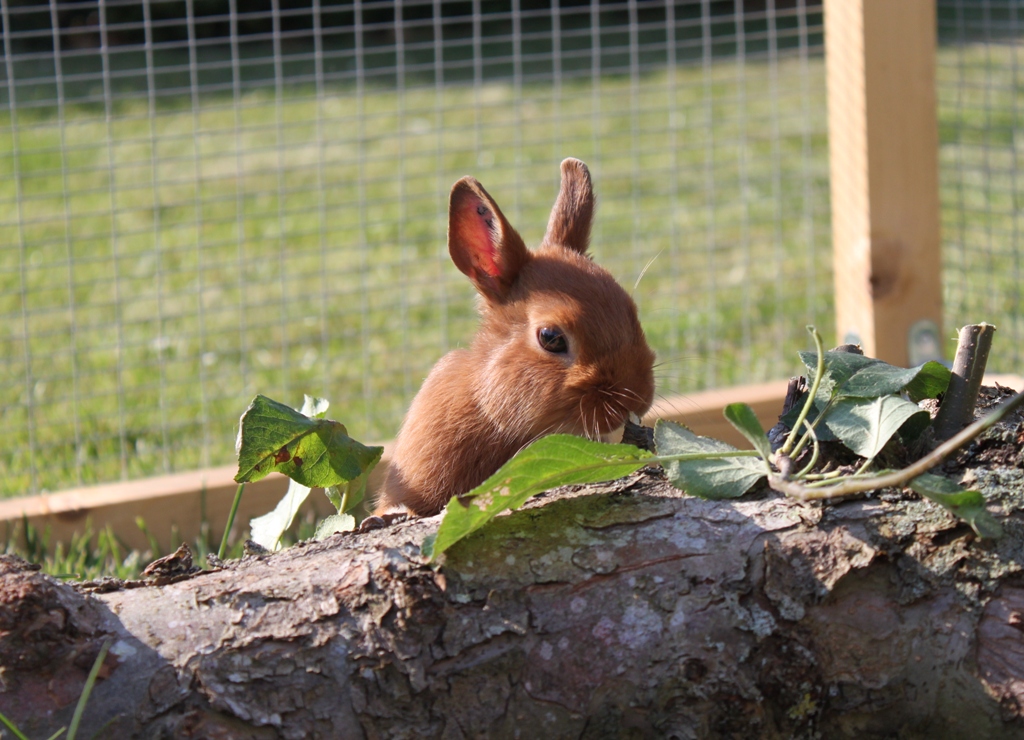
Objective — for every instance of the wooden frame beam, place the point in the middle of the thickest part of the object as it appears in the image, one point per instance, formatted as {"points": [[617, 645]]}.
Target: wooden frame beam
{"points": [[181, 502], [883, 150]]}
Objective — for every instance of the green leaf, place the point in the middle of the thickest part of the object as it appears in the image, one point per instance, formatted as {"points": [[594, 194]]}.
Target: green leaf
{"points": [[967, 505], [266, 530], [717, 478], [851, 375], [914, 427], [333, 524], [741, 416], [839, 367], [356, 491], [311, 450], [881, 379], [557, 460], [865, 425], [857, 385], [931, 382], [314, 452]]}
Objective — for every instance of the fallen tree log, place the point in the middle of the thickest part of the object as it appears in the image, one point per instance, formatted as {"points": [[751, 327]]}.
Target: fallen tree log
{"points": [[619, 610]]}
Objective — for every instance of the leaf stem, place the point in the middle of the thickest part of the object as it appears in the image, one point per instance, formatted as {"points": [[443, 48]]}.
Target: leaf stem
{"points": [[818, 373], [830, 475], [231, 521], [850, 486], [815, 453], [344, 498], [811, 428], [822, 482]]}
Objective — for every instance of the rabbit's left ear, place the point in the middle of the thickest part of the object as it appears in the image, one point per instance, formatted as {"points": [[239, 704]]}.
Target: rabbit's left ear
{"points": [[573, 213], [481, 241]]}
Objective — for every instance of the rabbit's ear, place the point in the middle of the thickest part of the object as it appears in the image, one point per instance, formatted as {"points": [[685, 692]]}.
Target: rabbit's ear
{"points": [[481, 241], [573, 213]]}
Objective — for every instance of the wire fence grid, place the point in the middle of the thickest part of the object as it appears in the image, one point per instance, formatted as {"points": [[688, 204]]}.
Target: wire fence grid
{"points": [[205, 202], [980, 83], [208, 199]]}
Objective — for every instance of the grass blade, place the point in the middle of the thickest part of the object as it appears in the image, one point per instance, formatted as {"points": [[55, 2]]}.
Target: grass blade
{"points": [[222, 550], [87, 689], [12, 727]]}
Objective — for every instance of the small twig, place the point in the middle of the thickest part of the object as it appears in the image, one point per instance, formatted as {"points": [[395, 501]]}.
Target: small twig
{"points": [[850, 487], [958, 404]]}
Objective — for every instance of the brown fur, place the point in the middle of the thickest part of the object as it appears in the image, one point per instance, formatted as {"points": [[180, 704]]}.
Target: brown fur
{"points": [[479, 406]]}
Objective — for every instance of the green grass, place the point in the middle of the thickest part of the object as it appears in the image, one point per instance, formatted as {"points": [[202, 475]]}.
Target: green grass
{"points": [[981, 115], [93, 554], [89, 554], [165, 268]]}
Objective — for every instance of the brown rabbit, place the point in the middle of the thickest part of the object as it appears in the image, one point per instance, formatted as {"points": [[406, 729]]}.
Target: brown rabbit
{"points": [[559, 349]]}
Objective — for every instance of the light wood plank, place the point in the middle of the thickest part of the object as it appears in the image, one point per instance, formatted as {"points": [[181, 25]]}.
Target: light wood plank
{"points": [[181, 501]]}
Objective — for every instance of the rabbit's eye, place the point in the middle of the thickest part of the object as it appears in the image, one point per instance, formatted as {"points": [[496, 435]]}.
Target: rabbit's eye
{"points": [[552, 339]]}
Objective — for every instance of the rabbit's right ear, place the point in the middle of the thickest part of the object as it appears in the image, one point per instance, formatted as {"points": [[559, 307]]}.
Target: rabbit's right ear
{"points": [[481, 241], [569, 224]]}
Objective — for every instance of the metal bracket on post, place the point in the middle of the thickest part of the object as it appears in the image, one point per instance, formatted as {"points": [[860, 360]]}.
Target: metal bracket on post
{"points": [[923, 342]]}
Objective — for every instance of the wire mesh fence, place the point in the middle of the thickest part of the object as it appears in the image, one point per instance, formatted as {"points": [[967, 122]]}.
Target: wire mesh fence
{"points": [[209, 199], [980, 81]]}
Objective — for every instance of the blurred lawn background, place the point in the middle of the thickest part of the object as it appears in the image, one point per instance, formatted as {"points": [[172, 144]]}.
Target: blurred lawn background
{"points": [[175, 241], [187, 230], [264, 256]]}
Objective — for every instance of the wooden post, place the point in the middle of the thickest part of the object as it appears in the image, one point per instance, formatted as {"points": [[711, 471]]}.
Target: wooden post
{"points": [[883, 148]]}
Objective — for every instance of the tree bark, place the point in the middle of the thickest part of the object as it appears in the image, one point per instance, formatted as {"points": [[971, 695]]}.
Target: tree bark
{"points": [[620, 610]]}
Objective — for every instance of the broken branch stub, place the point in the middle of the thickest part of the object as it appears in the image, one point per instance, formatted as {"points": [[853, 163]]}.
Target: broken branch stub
{"points": [[957, 409]]}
